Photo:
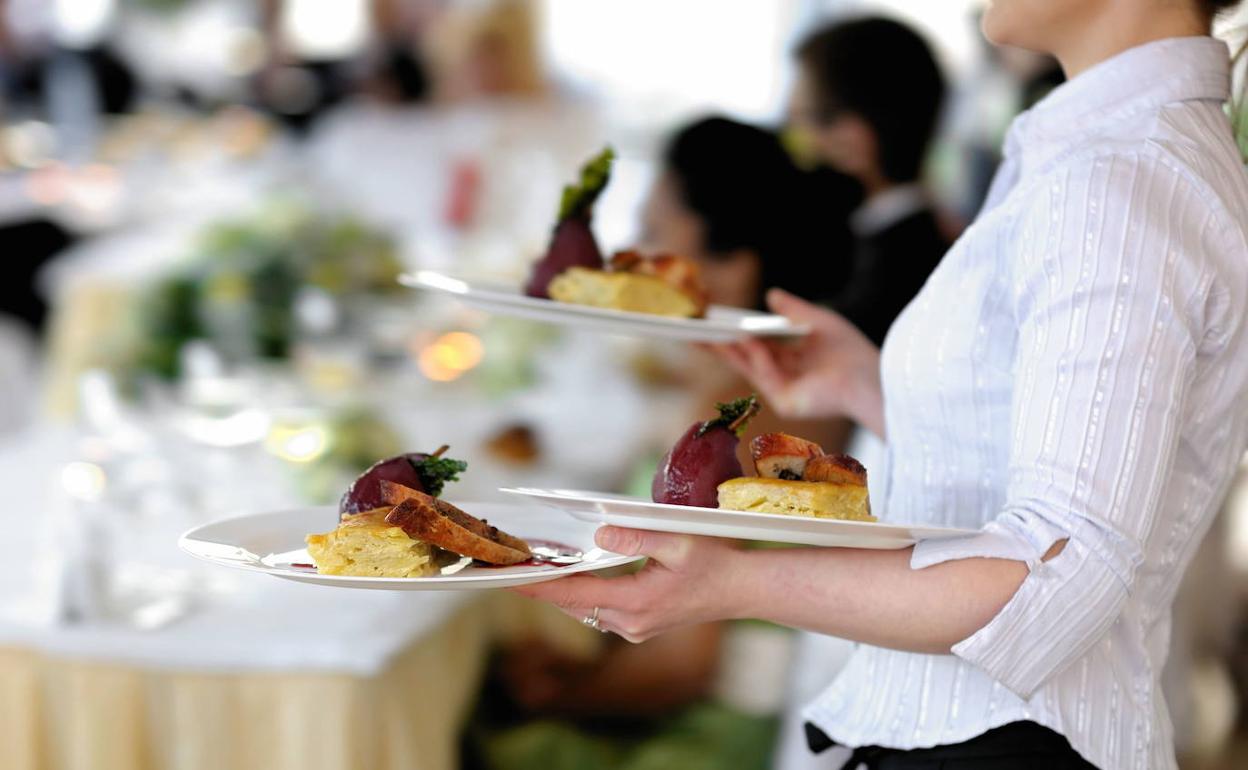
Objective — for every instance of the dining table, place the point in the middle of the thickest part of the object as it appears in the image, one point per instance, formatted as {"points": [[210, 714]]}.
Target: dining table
{"points": [[183, 666]]}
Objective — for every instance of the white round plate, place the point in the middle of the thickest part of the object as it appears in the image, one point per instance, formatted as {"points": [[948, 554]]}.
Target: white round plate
{"points": [[722, 324], [272, 543], [636, 513]]}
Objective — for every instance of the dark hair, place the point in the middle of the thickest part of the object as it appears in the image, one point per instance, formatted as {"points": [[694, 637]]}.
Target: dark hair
{"points": [[884, 72], [739, 180], [1214, 7]]}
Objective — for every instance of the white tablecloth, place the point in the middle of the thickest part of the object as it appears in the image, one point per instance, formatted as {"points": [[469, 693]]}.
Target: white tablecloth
{"points": [[237, 622]]}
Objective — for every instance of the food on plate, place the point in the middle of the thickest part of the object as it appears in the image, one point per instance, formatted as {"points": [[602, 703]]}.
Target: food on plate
{"points": [[366, 545], [781, 456], [838, 468], [573, 271], [665, 285], [572, 244], [796, 478], [704, 457], [818, 499], [439, 523], [392, 524], [424, 472]]}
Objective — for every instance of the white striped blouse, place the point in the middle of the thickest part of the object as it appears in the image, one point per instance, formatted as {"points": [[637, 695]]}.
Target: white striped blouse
{"points": [[1075, 368]]}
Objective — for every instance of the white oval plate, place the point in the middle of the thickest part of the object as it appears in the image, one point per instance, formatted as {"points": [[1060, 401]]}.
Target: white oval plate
{"points": [[272, 543], [636, 513], [722, 324]]}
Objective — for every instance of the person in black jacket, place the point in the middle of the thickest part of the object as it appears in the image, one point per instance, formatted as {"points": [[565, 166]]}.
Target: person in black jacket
{"points": [[866, 103], [729, 197]]}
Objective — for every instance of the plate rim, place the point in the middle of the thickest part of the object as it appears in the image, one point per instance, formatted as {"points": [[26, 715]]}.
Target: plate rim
{"points": [[589, 496], [614, 560], [412, 280]]}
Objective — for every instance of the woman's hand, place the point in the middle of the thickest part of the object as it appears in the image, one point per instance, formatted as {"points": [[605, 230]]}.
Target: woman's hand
{"points": [[688, 579], [867, 596], [832, 372]]}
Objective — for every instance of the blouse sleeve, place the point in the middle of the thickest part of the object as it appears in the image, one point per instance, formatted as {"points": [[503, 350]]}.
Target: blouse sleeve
{"points": [[1107, 293]]}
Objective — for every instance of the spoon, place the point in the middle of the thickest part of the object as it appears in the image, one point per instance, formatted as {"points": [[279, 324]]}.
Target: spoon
{"points": [[555, 554]]}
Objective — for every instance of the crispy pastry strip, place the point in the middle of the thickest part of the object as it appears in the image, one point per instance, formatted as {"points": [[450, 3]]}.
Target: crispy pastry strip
{"points": [[439, 523]]}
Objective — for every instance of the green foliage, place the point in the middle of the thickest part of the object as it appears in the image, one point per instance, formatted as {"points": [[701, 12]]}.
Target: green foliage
{"points": [[733, 414], [436, 472], [703, 737], [578, 199], [168, 318], [708, 737], [238, 287], [550, 746]]}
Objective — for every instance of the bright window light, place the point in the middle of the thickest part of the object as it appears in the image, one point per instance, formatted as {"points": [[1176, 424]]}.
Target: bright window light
{"points": [[326, 29], [657, 56], [80, 23]]}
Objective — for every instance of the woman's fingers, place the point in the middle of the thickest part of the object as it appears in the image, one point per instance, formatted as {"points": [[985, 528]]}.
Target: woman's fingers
{"points": [[755, 361], [742, 361], [663, 547], [574, 593], [828, 322], [623, 625], [684, 582], [794, 307], [623, 603], [732, 355]]}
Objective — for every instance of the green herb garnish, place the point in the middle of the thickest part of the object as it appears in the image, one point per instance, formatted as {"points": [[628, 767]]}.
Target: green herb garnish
{"points": [[435, 471], [578, 199], [733, 415]]}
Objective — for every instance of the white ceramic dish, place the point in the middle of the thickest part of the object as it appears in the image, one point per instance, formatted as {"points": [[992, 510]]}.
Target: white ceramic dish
{"points": [[722, 324], [636, 513], [272, 543]]}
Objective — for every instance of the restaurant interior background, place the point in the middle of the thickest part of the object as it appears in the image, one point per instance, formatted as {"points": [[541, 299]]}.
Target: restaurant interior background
{"points": [[203, 205]]}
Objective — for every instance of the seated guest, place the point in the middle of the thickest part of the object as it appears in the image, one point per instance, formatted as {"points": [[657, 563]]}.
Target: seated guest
{"points": [[866, 102], [730, 197]]}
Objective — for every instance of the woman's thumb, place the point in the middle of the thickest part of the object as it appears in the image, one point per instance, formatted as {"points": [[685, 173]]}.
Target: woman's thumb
{"points": [[793, 307], [665, 547]]}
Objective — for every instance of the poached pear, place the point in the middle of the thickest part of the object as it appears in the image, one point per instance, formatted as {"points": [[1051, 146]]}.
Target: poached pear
{"points": [[572, 243], [421, 471], [704, 457]]}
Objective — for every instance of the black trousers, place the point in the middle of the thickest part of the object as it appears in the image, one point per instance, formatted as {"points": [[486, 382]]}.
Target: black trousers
{"points": [[1016, 746]]}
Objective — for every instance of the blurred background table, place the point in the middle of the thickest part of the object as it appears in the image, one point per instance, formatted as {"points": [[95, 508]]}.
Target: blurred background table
{"points": [[182, 667], [107, 700]]}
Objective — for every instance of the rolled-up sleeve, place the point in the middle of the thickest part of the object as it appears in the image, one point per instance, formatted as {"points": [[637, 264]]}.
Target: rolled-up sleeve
{"points": [[1108, 297]]}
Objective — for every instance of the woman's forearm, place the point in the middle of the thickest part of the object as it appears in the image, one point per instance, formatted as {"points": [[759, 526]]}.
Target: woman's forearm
{"points": [[863, 595], [874, 596]]}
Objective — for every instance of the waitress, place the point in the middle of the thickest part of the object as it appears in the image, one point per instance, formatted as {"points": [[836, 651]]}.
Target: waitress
{"points": [[1071, 380]]}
